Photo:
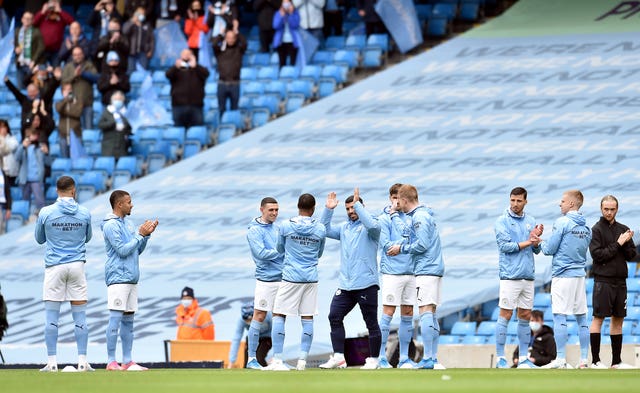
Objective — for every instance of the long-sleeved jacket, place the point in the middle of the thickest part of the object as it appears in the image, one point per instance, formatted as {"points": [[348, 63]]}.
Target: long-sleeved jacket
{"points": [[542, 346], [114, 142], [265, 10], [568, 244], [123, 245], [241, 327], [187, 85], [66, 228], [279, 21], [229, 57], [70, 110], [52, 29], [423, 243], [609, 258], [141, 39], [194, 323], [106, 88], [81, 83], [311, 13], [301, 239], [192, 30], [37, 45], [400, 264], [120, 46], [514, 263], [8, 147], [369, 8], [358, 248], [36, 166], [263, 239]]}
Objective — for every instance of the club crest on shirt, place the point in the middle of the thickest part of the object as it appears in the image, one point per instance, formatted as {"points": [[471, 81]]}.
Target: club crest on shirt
{"points": [[338, 292], [262, 303], [390, 298], [117, 302]]}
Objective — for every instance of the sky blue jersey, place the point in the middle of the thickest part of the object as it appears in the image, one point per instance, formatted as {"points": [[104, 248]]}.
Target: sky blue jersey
{"points": [[301, 239], [568, 244]]}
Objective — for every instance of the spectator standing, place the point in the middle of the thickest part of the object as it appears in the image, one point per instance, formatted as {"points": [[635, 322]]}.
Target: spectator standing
{"points": [[266, 9], [113, 41], [229, 50], [287, 38], [264, 336], [333, 10], [113, 77], [25, 101], [76, 37], [222, 16], [139, 33], [30, 155], [8, 147], [47, 80], [29, 49], [187, 79], [82, 74], [611, 247], [99, 19], [170, 10], [70, 110], [194, 322], [52, 21], [194, 25], [311, 16], [131, 7], [373, 23], [115, 127]]}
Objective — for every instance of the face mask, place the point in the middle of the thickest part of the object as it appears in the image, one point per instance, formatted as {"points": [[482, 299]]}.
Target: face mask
{"points": [[185, 64], [118, 104], [141, 17], [186, 302], [535, 326]]}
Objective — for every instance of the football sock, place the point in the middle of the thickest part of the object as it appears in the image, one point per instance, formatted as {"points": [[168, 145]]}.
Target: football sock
{"points": [[385, 321], [560, 334], [52, 315], [616, 348], [79, 313], [277, 334], [524, 337], [583, 334], [126, 335], [428, 331], [501, 335], [436, 337], [112, 334], [594, 339], [405, 334], [307, 337], [253, 337]]}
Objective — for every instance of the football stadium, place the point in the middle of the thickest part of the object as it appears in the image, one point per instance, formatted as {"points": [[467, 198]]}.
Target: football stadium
{"points": [[464, 99]]}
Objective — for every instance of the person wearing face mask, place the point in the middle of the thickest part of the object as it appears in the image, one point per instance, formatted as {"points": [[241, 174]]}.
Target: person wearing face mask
{"points": [[115, 127], [194, 25], [141, 41], [542, 348], [113, 78], [81, 73], [194, 322], [113, 41], [187, 79], [75, 38]]}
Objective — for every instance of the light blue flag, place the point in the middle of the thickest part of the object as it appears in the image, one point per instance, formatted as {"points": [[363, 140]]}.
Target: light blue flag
{"points": [[76, 149], [400, 18], [204, 55], [146, 110], [307, 48], [6, 50], [170, 41]]}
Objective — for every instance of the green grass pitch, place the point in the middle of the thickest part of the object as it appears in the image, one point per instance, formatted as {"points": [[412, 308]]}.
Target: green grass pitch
{"points": [[325, 381]]}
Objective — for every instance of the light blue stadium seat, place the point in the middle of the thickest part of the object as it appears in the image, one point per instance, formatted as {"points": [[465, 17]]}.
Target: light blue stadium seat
{"points": [[356, 42], [469, 11], [326, 87], [378, 41], [191, 148], [349, 57], [174, 135], [14, 222], [438, 27], [137, 77], [268, 73], [60, 166], [248, 73], [588, 282], [542, 299], [233, 117], [486, 328], [260, 59], [335, 71], [252, 88], [21, 208], [322, 57], [446, 10], [156, 161], [268, 102], [423, 11], [16, 193], [253, 46], [463, 328], [159, 77], [105, 164], [226, 132], [448, 339], [633, 313], [289, 73], [631, 339], [334, 42], [311, 72], [474, 340], [50, 195], [82, 164], [632, 268], [294, 102], [200, 134], [259, 117], [301, 86], [372, 58], [277, 88], [633, 285], [129, 164]]}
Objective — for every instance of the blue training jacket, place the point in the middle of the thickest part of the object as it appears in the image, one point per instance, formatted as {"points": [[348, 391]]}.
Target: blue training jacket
{"points": [[301, 240], [358, 248], [263, 239], [123, 244], [423, 243], [241, 326], [568, 244], [66, 228], [400, 264], [515, 264]]}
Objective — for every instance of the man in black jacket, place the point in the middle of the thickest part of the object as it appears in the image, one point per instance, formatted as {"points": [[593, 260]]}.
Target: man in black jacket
{"points": [[229, 51], [611, 247], [543, 345], [187, 90], [265, 10]]}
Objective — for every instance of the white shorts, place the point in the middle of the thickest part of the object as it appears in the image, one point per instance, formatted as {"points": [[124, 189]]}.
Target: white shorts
{"points": [[65, 282], [568, 295], [516, 294], [296, 299], [122, 297], [265, 294], [398, 290], [429, 290]]}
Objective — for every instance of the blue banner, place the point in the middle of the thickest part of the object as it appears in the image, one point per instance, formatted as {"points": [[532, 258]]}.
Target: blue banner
{"points": [[146, 110], [400, 18], [307, 49], [6, 50], [170, 41]]}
